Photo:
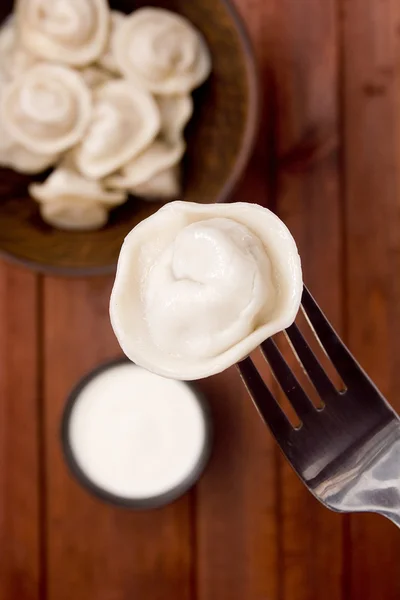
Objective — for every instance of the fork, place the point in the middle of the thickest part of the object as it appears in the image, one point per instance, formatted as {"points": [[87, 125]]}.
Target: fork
{"points": [[347, 452]]}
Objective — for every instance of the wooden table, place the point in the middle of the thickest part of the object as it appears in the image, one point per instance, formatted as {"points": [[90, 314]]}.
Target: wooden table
{"points": [[328, 161]]}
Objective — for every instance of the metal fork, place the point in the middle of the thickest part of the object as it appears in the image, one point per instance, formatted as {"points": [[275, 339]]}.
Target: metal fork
{"points": [[347, 453]]}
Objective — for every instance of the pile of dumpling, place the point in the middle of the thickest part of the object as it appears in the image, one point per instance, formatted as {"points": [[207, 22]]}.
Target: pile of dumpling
{"points": [[101, 96]]}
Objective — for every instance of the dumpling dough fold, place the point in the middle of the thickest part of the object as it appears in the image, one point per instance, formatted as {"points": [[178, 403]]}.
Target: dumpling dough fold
{"points": [[162, 51], [14, 156], [69, 201], [46, 109], [164, 153], [165, 185], [72, 32], [68, 184], [159, 156], [125, 120], [198, 287], [14, 59], [107, 59], [175, 112], [74, 217]]}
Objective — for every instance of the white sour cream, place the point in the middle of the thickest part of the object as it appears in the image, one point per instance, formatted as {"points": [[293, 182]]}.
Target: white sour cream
{"points": [[134, 434]]}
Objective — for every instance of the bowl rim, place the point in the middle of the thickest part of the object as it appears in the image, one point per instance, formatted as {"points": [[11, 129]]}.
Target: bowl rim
{"points": [[237, 171], [145, 503]]}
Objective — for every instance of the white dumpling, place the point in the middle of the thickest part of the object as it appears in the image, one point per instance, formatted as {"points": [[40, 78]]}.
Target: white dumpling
{"points": [[47, 109], [7, 45], [74, 216], [107, 59], [72, 32], [14, 59], [165, 152], [159, 156], [67, 184], [125, 120], [198, 287], [69, 201], [162, 51], [14, 156], [175, 113], [165, 185]]}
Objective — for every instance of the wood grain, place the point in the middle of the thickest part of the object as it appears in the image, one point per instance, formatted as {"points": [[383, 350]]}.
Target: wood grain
{"points": [[95, 550], [304, 64], [328, 161], [20, 512], [371, 51], [236, 501], [237, 518]]}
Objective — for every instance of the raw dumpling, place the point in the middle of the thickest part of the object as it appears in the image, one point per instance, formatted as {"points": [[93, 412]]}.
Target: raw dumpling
{"points": [[14, 156], [165, 152], [7, 45], [47, 109], [69, 201], [162, 51], [125, 120], [70, 216], [14, 59], [163, 186], [65, 183], [175, 113], [198, 287], [107, 59], [160, 155], [72, 32]]}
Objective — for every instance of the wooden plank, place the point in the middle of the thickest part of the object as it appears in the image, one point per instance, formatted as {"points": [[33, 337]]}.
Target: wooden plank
{"points": [[372, 159], [236, 501], [237, 526], [20, 560], [95, 550], [304, 83], [277, 525]]}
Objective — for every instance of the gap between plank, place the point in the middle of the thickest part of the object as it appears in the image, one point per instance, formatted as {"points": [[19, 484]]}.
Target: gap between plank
{"points": [[41, 440]]}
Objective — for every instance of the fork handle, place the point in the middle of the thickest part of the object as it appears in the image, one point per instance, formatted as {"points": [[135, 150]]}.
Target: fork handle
{"points": [[371, 481]]}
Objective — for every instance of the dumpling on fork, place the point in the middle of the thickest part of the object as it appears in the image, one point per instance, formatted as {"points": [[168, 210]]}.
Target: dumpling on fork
{"points": [[198, 287]]}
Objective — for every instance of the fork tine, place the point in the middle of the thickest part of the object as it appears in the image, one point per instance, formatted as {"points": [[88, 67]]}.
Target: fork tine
{"points": [[264, 400], [287, 380], [311, 364], [340, 356]]}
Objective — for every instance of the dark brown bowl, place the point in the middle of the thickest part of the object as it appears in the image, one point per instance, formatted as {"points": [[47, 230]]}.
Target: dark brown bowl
{"points": [[219, 137]]}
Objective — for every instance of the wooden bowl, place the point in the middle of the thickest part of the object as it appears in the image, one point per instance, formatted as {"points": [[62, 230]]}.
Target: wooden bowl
{"points": [[219, 138]]}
